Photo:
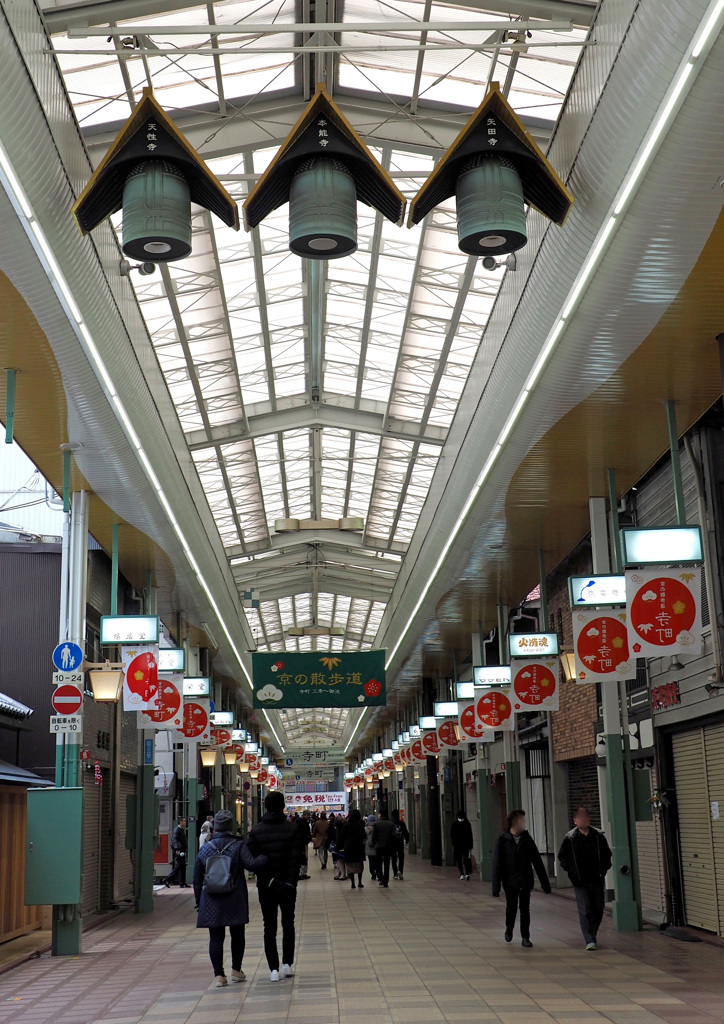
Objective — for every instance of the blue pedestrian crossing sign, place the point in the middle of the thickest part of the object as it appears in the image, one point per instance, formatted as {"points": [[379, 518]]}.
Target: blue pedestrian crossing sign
{"points": [[67, 657]]}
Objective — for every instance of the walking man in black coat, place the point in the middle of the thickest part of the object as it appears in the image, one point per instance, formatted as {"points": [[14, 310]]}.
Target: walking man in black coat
{"points": [[282, 843], [514, 858], [586, 857], [179, 845]]}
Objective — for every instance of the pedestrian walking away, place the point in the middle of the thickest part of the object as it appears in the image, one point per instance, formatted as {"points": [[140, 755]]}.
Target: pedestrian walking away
{"points": [[370, 851], [461, 835], [179, 845], [276, 883], [400, 837], [320, 838], [304, 825], [515, 858], [355, 838], [222, 898], [586, 858], [382, 839]]}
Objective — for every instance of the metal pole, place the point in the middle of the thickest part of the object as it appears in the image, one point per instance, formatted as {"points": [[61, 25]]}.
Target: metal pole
{"points": [[543, 622], [615, 532], [512, 767], [114, 571], [675, 462], [10, 404], [625, 908]]}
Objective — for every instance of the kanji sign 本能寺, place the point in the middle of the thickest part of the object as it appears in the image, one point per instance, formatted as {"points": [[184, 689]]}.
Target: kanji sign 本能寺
{"points": [[601, 646], [314, 679], [664, 610], [535, 684]]}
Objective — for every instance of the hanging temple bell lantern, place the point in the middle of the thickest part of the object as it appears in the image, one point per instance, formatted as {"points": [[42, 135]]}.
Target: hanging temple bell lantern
{"points": [[152, 174], [322, 170], [494, 169]]}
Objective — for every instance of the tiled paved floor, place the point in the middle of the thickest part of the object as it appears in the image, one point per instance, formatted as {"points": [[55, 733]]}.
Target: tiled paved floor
{"points": [[428, 949]]}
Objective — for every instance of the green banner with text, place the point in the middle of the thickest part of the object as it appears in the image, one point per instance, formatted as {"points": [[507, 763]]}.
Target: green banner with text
{"points": [[316, 679]]}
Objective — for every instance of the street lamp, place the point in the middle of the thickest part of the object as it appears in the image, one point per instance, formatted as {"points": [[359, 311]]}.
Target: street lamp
{"points": [[106, 679], [208, 757], [230, 756], [568, 661]]}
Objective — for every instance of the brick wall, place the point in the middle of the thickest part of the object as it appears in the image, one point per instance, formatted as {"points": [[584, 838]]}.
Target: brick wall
{"points": [[574, 725]]}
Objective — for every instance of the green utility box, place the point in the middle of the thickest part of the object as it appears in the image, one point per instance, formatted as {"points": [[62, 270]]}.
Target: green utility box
{"points": [[53, 847]]}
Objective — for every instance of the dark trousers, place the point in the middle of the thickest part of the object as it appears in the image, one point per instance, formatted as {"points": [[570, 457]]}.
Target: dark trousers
{"points": [[590, 899], [464, 862], [179, 870], [372, 861], [271, 903], [398, 859], [514, 899], [216, 947], [383, 866]]}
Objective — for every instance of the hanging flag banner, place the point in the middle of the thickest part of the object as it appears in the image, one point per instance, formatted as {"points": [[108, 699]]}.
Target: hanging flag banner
{"points": [[664, 610], [418, 753], [140, 677], [601, 646], [166, 714], [220, 737], [447, 733], [313, 679], [470, 727], [431, 743], [535, 684], [495, 710], [196, 724]]}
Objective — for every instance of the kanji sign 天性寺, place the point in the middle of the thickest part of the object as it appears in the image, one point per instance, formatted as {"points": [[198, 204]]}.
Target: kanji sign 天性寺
{"points": [[316, 679], [601, 646], [664, 609]]}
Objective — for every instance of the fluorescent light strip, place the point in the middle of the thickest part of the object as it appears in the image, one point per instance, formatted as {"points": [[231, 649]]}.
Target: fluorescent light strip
{"points": [[709, 25], [281, 745], [16, 193], [356, 730]]}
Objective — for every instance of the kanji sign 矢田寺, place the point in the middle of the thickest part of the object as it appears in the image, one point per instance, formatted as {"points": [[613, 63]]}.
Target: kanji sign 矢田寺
{"points": [[535, 684], [601, 646], [315, 679], [664, 610]]}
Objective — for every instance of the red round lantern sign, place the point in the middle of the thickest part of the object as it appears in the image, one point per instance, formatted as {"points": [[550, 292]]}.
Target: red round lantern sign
{"points": [[469, 723], [253, 762], [221, 737], [389, 764], [263, 776], [448, 734], [663, 612], [418, 754], [142, 677], [494, 710], [168, 703], [431, 743], [273, 782], [196, 720], [534, 683]]}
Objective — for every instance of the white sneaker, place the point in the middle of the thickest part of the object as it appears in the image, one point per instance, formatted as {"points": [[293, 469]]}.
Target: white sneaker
{"points": [[221, 981], [274, 976], [467, 878], [462, 878], [287, 971], [237, 976]]}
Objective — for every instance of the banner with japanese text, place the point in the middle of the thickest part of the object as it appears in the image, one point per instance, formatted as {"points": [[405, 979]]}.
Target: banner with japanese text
{"points": [[601, 646], [494, 709], [196, 726], [314, 679], [167, 714], [140, 676], [470, 727], [535, 683], [664, 610], [447, 733]]}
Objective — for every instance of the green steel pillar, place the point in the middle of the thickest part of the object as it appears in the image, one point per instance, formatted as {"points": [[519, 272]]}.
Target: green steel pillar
{"points": [[626, 913], [676, 462], [424, 828], [487, 832], [512, 765], [145, 823], [11, 376], [114, 571], [410, 820]]}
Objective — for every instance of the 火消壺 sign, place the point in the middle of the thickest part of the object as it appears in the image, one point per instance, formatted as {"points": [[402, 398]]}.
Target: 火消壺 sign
{"points": [[315, 679]]}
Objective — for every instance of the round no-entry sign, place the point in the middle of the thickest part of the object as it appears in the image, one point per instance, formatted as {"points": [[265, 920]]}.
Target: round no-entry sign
{"points": [[67, 700]]}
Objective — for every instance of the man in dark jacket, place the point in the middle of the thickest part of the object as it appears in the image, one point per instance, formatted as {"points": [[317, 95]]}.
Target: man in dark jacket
{"points": [[400, 836], [218, 911], [276, 883], [586, 857], [514, 858], [382, 836], [461, 835], [303, 823], [179, 845]]}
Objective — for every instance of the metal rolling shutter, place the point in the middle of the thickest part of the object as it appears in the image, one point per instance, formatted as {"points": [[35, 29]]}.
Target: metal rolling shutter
{"points": [[92, 832], [123, 888], [473, 812], [651, 861], [695, 834], [714, 737]]}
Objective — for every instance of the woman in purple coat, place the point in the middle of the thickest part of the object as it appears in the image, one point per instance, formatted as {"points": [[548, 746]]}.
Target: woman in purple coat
{"points": [[218, 911]]}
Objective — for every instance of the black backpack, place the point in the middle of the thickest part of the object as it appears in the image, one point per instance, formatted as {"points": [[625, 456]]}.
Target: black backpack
{"points": [[397, 832], [219, 876]]}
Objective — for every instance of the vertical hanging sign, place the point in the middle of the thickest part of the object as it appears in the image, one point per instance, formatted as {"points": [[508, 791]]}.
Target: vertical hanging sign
{"points": [[166, 714], [471, 728], [535, 684], [664, 609], [196, 725], [601, 646], [495, 710], [140, 676], [447, 733]]}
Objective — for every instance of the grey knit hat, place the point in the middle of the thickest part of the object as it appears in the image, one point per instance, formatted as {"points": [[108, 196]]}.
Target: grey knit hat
{"points": [[223, 821], [371, 819]]}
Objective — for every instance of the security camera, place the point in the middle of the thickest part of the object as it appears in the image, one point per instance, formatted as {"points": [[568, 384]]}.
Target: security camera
{"points": [[712, 689], [146, 269], [490, 263], [511, 262]]}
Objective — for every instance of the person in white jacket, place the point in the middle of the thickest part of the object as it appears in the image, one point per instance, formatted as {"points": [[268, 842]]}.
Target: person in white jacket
{"points": [[207, 831]]}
